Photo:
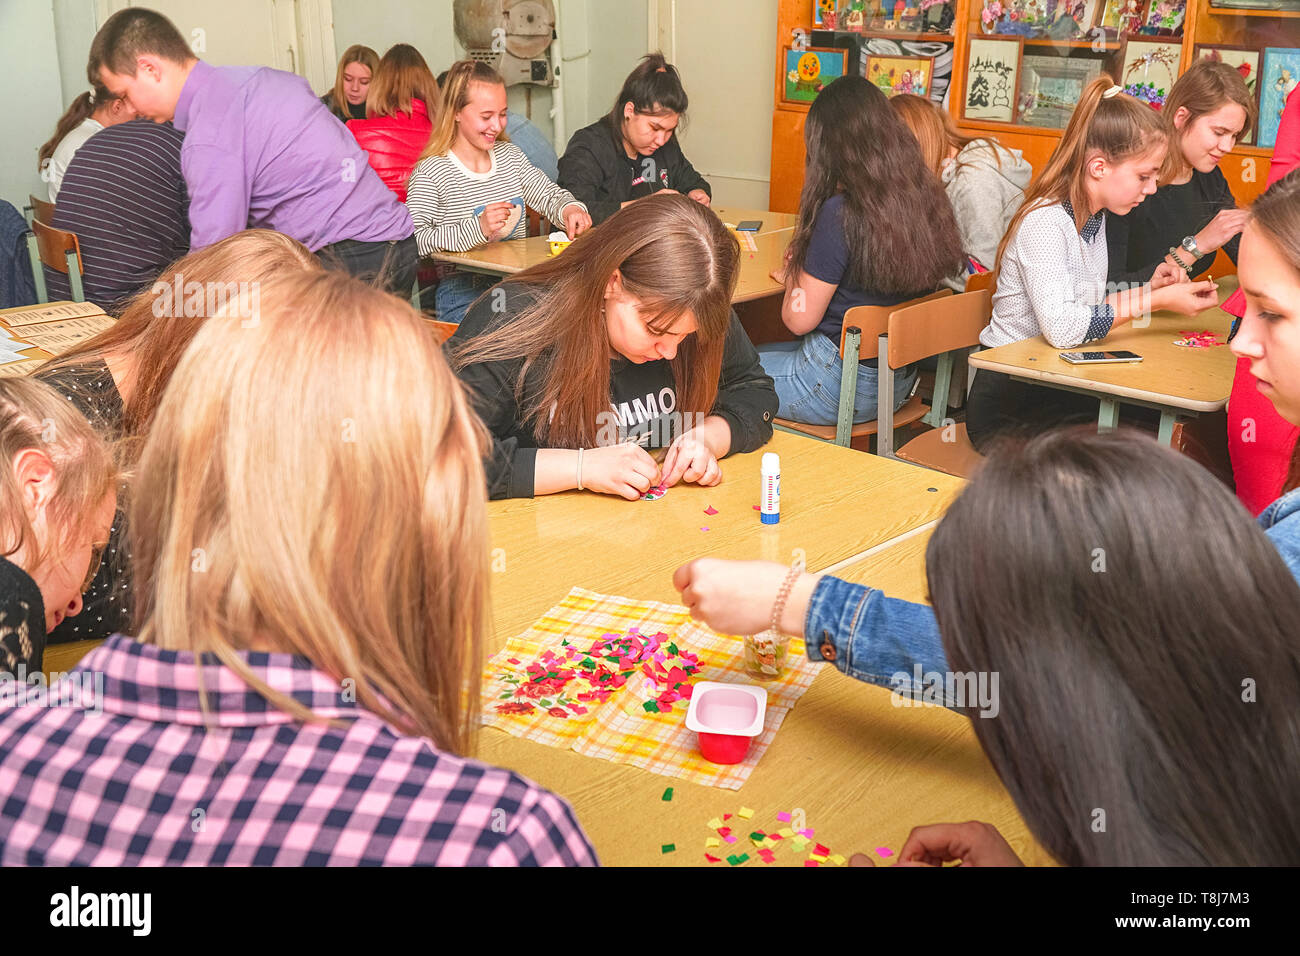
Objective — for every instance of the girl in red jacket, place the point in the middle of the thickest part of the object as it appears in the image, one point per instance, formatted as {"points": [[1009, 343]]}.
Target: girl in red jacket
{"points": [[401, 108]]}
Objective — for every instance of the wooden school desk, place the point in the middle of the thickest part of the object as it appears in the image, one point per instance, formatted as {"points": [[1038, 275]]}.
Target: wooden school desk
{"points": [[53, 328], [863, 771], [1177, 381], [516, 255]]}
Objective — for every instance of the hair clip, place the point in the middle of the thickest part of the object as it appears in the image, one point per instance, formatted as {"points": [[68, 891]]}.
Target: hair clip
{"points": [[1112, 91]]}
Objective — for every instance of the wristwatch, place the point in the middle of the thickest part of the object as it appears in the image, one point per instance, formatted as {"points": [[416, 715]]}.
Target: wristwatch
{"points": [[1189, 243]]}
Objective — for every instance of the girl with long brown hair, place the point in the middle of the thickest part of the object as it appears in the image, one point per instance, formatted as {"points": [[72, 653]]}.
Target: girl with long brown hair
{"points": [[401, 107], [347, 99], [88, 114], [471, 186], [984, 181], [624, 343], [311, 549], [58, 489], [875, 228], [1051, 265], [1192, 214], [116, 379]]}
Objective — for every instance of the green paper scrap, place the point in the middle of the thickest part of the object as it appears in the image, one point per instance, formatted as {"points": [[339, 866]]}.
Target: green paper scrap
{"points": [[757, 835], [672, 649], [668, 795], [651, 706], [668, 848]]}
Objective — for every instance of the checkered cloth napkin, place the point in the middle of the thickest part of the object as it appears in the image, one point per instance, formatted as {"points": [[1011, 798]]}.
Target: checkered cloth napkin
{"points": [[620, 728]]}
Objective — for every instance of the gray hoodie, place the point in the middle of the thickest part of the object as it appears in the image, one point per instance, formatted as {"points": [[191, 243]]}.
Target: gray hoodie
{"points": [[985, 194]]}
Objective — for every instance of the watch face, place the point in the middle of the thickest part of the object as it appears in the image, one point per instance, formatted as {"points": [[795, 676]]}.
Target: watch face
{"points": [[1189, 244]]}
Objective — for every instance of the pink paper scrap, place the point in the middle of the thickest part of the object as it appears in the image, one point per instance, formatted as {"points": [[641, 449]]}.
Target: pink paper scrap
{"points": [[783, 817], [884, 851]]}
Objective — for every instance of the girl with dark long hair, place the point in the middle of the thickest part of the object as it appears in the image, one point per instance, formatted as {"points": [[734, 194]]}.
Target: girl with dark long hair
{"points": [[875, 228], [625, 343]]}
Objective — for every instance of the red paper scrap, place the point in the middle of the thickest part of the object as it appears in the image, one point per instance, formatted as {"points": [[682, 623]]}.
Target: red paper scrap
{"points": [[712, 859], [811, 863], [710, 510]]}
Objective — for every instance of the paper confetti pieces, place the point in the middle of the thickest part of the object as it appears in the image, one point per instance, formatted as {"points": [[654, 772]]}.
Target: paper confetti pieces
{"points": [[668, 794], [712, 842], [655, 493], [669, 848], [767, 843], [744, 812], [1198, 340], [783, 816], [712, 859], [710, 510], [884, 851]]}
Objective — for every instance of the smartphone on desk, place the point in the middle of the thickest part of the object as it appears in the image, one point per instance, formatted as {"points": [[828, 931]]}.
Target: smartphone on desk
{"points": [[1099, 358], [750, 225]]}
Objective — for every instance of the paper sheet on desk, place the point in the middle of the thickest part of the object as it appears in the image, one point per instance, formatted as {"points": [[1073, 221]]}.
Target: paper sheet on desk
{"points": [[619, 729], [53, 312], [58, 337]]}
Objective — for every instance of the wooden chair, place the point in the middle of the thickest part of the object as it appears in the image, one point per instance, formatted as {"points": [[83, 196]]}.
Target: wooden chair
{"points": [[60, 251], [946, 329], [861, 336], [42, 210], [977, 281], [442, 331]]}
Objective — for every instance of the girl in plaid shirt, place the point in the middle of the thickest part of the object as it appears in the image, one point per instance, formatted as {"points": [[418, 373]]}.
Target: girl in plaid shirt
{"points": [[310, 548]]}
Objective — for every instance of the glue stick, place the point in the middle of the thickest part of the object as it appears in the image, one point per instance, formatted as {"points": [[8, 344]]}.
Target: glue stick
{"points": [[769, 508]]}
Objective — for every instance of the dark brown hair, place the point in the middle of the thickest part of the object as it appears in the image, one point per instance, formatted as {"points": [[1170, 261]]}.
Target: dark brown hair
{"points": [[654, 88], [82, 108], [1129, 606], [898, 223], [130, 34], [675, 256]]}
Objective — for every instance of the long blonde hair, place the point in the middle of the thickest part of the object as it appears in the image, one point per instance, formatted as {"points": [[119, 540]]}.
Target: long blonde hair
{"points": [[34, 415], [1206, 86], [157, 325], [313, 482], [674, 256], [357, 53], [402, 76], [455, 97], [1117, 126]]}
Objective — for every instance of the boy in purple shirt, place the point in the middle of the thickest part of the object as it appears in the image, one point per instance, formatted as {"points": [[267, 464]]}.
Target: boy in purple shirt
{"points": [[260, 151]]}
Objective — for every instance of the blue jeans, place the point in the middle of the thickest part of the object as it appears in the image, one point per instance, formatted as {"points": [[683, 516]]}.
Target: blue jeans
{"points": [[457, 292], [807, 378]]}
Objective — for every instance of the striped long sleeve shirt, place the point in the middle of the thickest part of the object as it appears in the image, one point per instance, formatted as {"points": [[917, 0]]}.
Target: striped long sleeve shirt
{"points": [[124, 196], [445, 198]]}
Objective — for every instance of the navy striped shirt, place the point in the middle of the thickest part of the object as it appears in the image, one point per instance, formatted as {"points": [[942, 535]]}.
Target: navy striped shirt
{"points": [[124, 196]]}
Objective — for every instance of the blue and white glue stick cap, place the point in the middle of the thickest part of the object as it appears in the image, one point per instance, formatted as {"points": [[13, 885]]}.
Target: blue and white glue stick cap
{"points": [[769, 507]]}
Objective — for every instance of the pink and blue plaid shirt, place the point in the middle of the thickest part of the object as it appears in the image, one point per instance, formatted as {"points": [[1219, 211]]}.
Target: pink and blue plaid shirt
{"points": [[153, 780]]}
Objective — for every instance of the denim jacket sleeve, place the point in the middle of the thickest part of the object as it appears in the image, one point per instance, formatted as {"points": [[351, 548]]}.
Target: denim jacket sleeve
{"points": [[871, 637]]}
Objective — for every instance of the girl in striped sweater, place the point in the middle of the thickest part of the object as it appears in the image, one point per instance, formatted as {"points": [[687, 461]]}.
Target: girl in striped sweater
{"points": [[471, 185]]}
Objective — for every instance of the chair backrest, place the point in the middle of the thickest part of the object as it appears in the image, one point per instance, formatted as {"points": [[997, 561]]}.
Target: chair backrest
{"points": [[55, 245], [934, 327], [872, 321], [42, 210], [979, 280], [442, 331]]}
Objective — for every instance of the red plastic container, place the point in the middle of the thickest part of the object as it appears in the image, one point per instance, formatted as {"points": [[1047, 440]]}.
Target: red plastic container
{"points": [[727, 718], [724, 748]]}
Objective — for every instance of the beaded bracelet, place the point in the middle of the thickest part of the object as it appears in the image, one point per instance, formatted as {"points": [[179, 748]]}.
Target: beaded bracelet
{"points": [[580, 469], [783, 594]]}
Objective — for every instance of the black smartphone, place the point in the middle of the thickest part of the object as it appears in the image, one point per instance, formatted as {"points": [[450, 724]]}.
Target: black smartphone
{"points": [[750, 225], [1099, 358]]}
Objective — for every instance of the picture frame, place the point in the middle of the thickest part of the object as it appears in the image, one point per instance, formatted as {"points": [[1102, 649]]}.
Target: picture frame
{"points": [[807, 71], [1279, 75], [901, 74], [824, 14], [1149, 69], [1123, 17], [1074, 18], [1165, 18], [991, 90], [1050, 87], [1246, 60]]}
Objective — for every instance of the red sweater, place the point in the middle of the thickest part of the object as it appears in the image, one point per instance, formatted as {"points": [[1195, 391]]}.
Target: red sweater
{"points": [[394, 143]]}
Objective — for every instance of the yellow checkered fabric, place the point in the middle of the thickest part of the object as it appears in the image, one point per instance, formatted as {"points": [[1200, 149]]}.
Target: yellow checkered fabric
{"points": [[619, 729]]}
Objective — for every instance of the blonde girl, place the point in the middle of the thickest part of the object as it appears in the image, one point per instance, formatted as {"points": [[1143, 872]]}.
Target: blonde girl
{"points": [[347, 99], [58, 490], [311, 554]]}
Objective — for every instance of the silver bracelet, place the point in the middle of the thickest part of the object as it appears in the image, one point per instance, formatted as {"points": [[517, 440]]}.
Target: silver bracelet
{"points": [[580, 469]]}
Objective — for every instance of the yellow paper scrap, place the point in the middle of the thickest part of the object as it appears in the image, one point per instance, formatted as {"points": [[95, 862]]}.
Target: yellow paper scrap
{"points": [[715, 824], [711, 842], [837, 859], [744, 813], [786, 832]]}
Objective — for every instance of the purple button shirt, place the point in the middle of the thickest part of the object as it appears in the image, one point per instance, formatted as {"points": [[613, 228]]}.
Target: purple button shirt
{"points": [[261, 151]]}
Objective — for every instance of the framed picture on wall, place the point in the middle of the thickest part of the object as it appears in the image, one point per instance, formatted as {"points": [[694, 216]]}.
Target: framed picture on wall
{"points": [[1123, 17], [808, 71], [1165, 18], [901, 74], [1051, 85], [992, 73], [1149, 69], [1074, 18], [1278, 77], [824, 14], [1245, 60]]}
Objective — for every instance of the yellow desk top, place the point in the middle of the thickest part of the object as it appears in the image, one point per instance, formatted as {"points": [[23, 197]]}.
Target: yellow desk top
{"points": [[1194, 379], [836, 503], [516, 255], [864, 771]]}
